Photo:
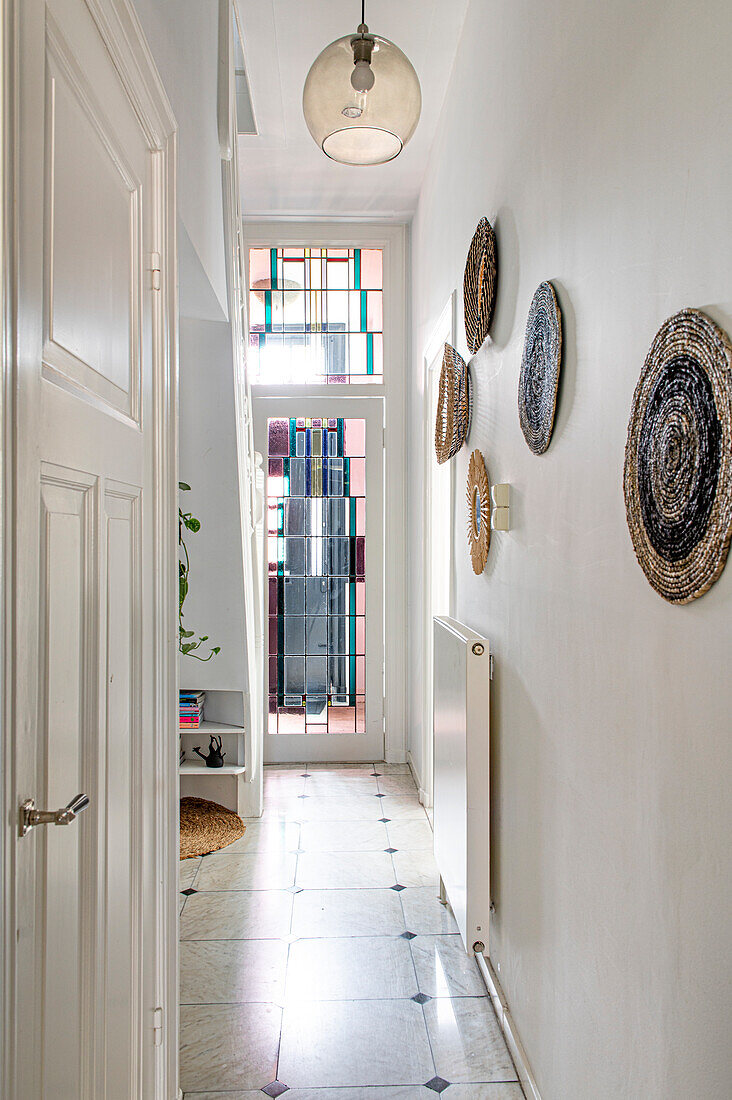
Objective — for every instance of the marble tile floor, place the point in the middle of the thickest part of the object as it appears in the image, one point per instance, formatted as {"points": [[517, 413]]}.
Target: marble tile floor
{"points": [[318, 962]]}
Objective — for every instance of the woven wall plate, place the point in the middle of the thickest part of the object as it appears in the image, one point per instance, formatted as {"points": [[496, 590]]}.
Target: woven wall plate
{"points": [[454, 406], [479, 512], [678, 457], [540, 363], [479, 284]]}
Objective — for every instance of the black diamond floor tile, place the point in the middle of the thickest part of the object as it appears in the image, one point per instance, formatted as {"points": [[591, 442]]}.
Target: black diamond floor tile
{"points": [[409, 935], [421, 999], [437, 1084], [386, 820], [397, 887], [275, 1088], [189, 891]]}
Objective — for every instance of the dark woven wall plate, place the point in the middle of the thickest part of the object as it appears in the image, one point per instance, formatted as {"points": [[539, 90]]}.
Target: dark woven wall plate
{"points": [[540, 363], [454, 406], [479, 284], [678, 457]]}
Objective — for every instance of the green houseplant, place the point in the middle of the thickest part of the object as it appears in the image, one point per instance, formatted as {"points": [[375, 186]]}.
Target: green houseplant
{"points": [[188, 642]]}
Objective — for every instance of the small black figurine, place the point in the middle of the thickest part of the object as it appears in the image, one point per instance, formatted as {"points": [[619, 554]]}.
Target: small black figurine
{"points": [[215, 758]]}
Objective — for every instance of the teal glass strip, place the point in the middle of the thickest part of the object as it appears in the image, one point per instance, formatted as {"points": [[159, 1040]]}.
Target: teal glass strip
{"points": [[281, 519], [340, 436], [293, 436], [357, 268], [286, 477], [273, 267], [352, 516], [346, 477], [352, 666], [364, 325], [370, 353], [268, 310]]}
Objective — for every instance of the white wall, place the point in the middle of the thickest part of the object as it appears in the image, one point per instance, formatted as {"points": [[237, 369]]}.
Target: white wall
{"points": [[183, 37], [209, 464], [596, 139]]}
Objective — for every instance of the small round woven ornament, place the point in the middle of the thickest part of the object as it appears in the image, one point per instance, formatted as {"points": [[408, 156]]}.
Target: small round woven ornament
{"points": [[540, 363], [678, 457], [479, 512], [479, 284], [454, 406]]}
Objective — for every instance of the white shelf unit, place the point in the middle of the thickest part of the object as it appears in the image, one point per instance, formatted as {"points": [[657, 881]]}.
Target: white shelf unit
{"points": [[224, 718]]}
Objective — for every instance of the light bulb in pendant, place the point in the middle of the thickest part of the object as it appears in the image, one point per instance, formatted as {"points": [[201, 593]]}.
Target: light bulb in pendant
{"points": [[362, 77]]}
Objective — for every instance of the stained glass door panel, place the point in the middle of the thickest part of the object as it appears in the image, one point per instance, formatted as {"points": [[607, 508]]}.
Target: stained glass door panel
{"points": [[324, 570]]}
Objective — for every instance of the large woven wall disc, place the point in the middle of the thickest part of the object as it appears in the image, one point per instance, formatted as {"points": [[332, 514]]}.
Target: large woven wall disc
{"points": [[479, 284], [540, 363], [479, 512], [678, 457], [454, 406]]}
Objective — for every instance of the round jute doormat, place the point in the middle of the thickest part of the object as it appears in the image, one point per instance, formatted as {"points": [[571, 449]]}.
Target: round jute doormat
{"points": [[205, 827]]}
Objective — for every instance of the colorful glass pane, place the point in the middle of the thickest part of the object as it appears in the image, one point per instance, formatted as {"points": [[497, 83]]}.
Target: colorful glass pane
{"points": [[316, 511], [315, 316]]}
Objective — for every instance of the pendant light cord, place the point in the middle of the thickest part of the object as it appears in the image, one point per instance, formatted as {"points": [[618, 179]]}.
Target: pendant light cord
{"points": [[363, 11]]}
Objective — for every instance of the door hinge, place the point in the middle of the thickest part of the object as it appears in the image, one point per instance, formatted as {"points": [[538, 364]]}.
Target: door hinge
{"points": [[158, 1027], [490, 666], [155, 269]]}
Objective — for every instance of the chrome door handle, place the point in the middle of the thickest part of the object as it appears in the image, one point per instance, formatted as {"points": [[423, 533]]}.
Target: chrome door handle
{"points": [[29, 816]]}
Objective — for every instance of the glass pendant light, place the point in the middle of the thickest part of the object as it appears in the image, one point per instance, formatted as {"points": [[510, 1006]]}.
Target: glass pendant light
{"points": [[362, 98]]}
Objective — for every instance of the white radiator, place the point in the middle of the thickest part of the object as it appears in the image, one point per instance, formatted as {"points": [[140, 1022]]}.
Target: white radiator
{"points": [[462, 776]]}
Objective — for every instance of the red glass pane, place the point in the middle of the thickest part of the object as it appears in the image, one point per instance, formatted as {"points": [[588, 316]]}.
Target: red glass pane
{"points": [[358, 477], [279, 438], [371, 269], [354, 445]]}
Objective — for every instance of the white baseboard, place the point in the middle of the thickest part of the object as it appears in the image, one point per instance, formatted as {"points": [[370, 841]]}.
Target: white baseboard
{"points": [[424, 798], [508, 1027]]}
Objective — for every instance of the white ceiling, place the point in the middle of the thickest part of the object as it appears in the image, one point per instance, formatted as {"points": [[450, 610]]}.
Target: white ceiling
{"points": [[282, 171]]}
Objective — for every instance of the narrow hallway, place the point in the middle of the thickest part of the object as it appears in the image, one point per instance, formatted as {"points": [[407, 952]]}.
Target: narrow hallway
{"points": [[317, 960]]}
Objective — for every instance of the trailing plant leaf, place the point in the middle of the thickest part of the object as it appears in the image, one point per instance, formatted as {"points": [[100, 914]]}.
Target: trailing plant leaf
{"points": [[187, 521]]}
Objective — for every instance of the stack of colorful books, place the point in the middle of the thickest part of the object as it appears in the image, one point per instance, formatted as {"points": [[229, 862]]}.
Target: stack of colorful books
{"points": [[191, 709]]}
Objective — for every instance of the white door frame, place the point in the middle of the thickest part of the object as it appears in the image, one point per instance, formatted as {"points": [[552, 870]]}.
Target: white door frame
{"points": [[392, 239], [443, 333], [119, 28]]}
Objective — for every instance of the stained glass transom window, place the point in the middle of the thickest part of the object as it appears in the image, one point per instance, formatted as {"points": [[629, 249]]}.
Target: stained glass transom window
{"points": [[316, 315], [316, 522]]}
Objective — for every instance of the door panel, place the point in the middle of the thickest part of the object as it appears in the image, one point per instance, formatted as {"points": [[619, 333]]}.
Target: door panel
{"points": [[324, 597], [123, 743], [67, 717], [92, 467]]}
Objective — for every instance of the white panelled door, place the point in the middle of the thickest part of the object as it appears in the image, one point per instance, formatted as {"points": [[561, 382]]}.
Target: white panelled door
{"points": [[90, 666]]}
